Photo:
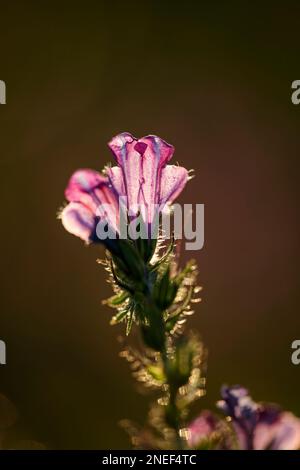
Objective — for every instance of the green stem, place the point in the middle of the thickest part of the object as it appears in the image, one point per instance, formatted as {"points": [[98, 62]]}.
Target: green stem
{"points": [[158, 337], [173, 414]]}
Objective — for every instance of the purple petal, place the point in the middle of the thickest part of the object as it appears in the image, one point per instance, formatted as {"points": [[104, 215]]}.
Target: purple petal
{"points": [[158, 149], [238, 405], [108, 205], [201, 428], [82, 185], [78, 220], [155, 156], [236, 402], [94, 191], [115, 176], [279, 433], [258, 426], [129, 159], [173, 180], [120, 145]]}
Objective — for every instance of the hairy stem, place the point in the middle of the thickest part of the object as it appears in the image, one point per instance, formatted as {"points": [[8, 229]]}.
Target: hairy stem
{"points": [[173, 414]]}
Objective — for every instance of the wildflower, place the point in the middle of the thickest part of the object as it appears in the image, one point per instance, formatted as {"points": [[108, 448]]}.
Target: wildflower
{"points": [[142, 177], [201, 429], [239, 406], [88, 190], [277, 430], [259, 426], [143, 174]]}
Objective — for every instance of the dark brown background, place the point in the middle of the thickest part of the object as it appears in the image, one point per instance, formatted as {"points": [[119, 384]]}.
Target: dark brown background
{"points": [[215, 81]]}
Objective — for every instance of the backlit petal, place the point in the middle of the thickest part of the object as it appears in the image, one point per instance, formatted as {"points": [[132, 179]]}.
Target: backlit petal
{"points": [[173, 180], [155, 154], [78, 220], [201, 428], [129, 159], [115, 176], [81, 187], [280, 433]]}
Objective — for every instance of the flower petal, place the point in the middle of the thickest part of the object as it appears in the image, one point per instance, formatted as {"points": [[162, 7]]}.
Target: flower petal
{"points": [[120, 145], [280, 432], [244, 412], [82, 185], [156, 154], [129, 159], [157, 149], [173, 180], [108, 205], [78, 220], [94, 191], [115, 176], [201, 428]]}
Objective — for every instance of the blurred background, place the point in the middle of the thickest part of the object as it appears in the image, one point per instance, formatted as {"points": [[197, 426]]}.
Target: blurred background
{"points": [[214, 79]]}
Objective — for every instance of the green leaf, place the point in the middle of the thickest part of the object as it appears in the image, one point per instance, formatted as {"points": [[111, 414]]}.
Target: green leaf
{"points": [[119, 317], [130, 317], [117, 299]]}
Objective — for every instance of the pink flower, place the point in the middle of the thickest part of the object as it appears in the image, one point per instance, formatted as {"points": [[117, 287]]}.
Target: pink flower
{"points": [[259, 426], [142, 175], [87, 192], [201, 429], [277, 430]]}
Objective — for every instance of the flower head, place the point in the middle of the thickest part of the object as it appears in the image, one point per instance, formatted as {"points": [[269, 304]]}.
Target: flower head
{"points": [[239, 406], [202, 428], [277, 430], [142, 177], [87, 192], [259, 426], [143, 174]]}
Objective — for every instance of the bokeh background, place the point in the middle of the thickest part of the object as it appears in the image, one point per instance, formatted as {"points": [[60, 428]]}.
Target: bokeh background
{"points": [[212, 78]]}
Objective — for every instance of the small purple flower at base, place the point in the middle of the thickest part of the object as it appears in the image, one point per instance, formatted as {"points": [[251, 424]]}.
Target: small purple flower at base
{"points": [[208, 431], [259, 426], [142, 176], [239, 406], [201, 429], [276, 430]]}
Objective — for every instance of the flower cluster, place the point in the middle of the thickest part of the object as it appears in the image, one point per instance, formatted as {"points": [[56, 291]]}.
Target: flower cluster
{"points": [[249, 425], [152, 292], [143, 179]]}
